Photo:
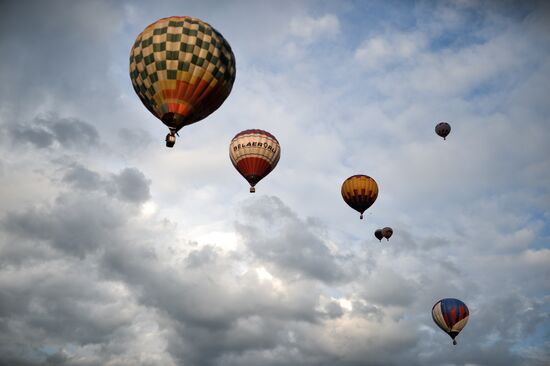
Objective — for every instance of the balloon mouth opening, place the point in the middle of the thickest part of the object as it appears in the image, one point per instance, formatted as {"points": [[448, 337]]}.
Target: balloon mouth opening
{"points": [[168, 119], [173, 120], [252, 180]]}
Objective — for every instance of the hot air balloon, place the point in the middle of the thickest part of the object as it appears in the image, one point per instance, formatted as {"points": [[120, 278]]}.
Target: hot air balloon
{"points": [[378, 234], [182, 69], [254, 153], [451, 315], [387, 232], [359, 192], [443, 129]]}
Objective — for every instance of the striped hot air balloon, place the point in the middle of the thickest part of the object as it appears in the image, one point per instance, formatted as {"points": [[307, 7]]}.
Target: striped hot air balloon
{"points": [[182, 69], [451, 315], [254, 153], [359, 192]]}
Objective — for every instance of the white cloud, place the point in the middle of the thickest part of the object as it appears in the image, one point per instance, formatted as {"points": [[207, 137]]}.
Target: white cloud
{"points": [[393, 48], [311, 29]]}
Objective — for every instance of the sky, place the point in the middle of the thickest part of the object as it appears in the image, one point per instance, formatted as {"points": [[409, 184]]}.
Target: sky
{"points": [[115, 250]]}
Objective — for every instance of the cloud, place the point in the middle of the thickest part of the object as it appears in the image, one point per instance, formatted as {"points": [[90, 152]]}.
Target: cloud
{"points": [[396, 48], [73, 224], [52, 131], [60, 312], [130, 185], [274, 234], [311, 29], [389, 288], [78, 224], [82, 178]]}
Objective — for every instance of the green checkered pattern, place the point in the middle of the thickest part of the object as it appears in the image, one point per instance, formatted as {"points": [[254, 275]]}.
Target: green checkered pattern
{"points": [[184, 49]]}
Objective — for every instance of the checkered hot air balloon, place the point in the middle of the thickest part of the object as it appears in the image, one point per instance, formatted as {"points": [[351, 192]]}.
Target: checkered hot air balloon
{"points": [[182, 69], [254, 153], [451, 315], [359, 192]]}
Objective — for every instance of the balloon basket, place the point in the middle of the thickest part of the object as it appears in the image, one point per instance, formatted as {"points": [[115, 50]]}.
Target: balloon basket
{"points": [[252, 189], [170, 140]]}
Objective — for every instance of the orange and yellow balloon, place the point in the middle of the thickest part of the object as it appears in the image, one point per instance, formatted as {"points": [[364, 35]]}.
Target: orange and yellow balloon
{"points": [[359, 192], [182, 69]]}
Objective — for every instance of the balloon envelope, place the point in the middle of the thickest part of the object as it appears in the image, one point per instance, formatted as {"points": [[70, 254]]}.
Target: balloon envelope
{"points": [[387, 232], [359, 192], [254, 153], [182, 69], [443, 129], [378, 234], [451, 315]]}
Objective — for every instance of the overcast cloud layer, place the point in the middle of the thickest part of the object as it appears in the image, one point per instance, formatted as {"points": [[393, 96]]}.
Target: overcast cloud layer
{"points": [[117, 251]]}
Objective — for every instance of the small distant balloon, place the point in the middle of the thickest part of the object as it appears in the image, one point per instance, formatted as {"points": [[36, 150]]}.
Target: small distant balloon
{"points": [[359, 192], [254, 153], [378, 234], [443, 129], [451, 315], [387, 232]]}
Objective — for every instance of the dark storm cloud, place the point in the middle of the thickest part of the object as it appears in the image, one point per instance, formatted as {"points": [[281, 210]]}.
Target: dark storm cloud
{"points": [[49, 131], [276, 235]]}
